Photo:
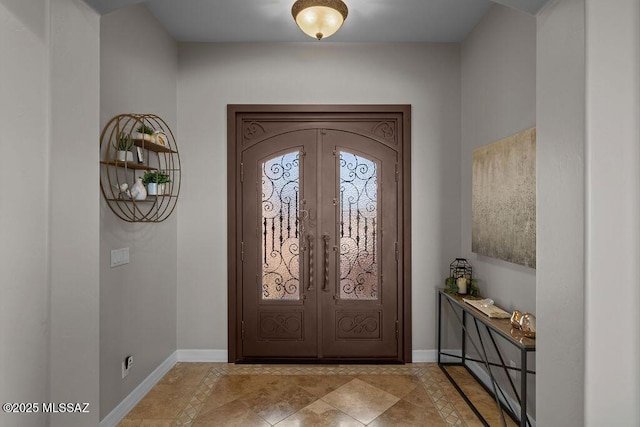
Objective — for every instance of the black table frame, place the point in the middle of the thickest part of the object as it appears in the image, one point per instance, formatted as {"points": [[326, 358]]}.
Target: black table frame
{"points": [[492, 326]]}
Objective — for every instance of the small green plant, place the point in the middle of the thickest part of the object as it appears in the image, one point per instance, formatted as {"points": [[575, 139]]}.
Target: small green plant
{"points": [[474, 291], [155, 177], [145, 129], [451, 286], [124, 142]]}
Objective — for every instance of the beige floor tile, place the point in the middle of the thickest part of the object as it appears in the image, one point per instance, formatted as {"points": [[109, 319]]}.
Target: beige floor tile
{"points": [[398, 385], [158, 423], [320, 385], [232, 387], [319, 414], [232, 414], [361, 400], [278, 399], [163, 402], [406, 414], [186, 373], [419, 397], [127, 422]]}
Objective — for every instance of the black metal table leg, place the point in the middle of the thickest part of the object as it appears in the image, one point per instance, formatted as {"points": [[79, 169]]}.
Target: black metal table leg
{"points": [[523, 389], [439, 325]]}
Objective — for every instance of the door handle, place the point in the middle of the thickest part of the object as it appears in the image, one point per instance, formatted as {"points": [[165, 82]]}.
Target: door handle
{"points": [[326, 239], [310, 240]]}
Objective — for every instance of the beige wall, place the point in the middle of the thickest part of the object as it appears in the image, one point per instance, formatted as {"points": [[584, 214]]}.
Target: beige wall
{"points": [[74, 216], [24, 284], [214, 75], [561, 214], [49, 81], [137, 300], [612, 213]]}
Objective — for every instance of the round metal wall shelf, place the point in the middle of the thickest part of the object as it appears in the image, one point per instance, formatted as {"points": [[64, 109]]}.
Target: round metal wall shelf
{"points": [[153, 151]]}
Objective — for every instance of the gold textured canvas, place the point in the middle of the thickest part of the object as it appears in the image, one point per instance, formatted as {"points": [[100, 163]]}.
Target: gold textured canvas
{"points": [[504, 199]]}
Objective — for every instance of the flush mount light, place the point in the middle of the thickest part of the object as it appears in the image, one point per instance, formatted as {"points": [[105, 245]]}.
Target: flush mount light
{"points": [[319, 18]]}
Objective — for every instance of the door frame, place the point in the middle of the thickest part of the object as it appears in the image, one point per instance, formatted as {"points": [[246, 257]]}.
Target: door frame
{"points": [[236, 113]]}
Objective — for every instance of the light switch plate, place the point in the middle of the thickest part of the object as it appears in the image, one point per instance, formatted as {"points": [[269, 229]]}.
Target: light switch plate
{"points": [[119, 257]]}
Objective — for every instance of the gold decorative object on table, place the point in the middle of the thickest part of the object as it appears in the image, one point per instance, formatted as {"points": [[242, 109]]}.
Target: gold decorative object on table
{"points": [[515, 319], [528, 325]]}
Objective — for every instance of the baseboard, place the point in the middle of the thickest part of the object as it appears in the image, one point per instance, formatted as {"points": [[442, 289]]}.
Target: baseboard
{"points": [[129, 402], [202, 356]]}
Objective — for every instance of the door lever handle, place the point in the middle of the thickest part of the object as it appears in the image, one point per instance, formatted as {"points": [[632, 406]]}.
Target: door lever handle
{"points": [[310, 240], [326, 239]]}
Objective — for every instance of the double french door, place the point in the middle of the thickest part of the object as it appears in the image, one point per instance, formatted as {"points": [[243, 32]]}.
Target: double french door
{"points": [[318, 240]]}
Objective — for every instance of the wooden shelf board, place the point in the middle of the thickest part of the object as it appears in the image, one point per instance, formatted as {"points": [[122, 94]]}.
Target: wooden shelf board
{"points": [[152, 146], [149, 199], [128, 165]]}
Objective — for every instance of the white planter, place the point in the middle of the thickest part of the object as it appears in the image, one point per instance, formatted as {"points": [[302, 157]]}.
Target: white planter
{"points": [[144, 136], [124, 156], [154, 189]]}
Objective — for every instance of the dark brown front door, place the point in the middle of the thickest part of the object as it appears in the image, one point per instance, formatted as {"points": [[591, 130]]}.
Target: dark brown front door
{"points": [[319, 233]]}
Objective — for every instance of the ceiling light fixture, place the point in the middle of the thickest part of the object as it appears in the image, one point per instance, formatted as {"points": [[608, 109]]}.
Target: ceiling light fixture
{"points": [[319, 18]]}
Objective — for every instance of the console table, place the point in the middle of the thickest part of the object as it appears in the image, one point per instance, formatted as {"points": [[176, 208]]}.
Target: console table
{"points": [[494, 327]]}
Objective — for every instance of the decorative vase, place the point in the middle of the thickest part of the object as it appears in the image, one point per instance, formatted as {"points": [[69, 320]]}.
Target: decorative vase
{"points": [[515, 319], [124, 156], [160, 137], [154, 189], [528, 325], [138, 192]]}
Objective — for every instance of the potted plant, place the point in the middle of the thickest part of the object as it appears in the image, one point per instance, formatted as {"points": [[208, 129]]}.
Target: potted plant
{"points": [[123, 153], [145, 132], [156, 182]]}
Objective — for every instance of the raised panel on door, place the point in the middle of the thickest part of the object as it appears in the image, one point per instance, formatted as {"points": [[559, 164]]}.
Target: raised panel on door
{"points": [[278, 298], [358, 207]]}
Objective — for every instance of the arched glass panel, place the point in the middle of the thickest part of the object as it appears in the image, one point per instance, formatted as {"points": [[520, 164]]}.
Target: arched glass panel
{"points": [[358, 228], [279, 223]]}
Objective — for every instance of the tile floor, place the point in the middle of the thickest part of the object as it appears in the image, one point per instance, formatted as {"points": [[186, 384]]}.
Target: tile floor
{"points": [[220, 394]]}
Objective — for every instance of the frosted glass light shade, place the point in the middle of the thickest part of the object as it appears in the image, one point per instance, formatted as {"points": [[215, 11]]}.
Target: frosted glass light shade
{"points": [[319, 18]]}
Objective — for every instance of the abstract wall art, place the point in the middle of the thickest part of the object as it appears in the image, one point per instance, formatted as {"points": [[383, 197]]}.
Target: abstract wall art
{"points": [[504, 199]]}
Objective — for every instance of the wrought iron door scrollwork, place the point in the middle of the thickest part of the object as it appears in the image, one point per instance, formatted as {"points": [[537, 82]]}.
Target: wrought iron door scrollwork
{"points": [[280, 325], [280, 227], [358, 227], [352, 325]]}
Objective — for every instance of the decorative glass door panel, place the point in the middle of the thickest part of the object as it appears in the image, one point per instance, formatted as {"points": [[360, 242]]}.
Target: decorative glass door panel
{"points": [[280, 227], [358, 227]]}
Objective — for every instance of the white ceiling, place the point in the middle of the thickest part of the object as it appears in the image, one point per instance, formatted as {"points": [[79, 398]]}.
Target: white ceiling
{"points": [[271, 20]]}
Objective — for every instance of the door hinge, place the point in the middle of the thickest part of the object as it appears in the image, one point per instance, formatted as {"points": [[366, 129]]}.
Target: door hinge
{"points": [[241, 172], [397, 172], [242, 330], [242, 251], [397, 330], [397, 252]]}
